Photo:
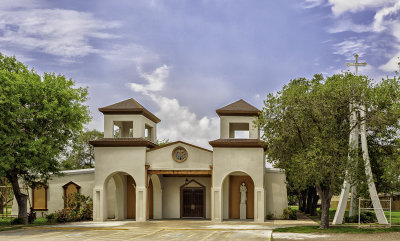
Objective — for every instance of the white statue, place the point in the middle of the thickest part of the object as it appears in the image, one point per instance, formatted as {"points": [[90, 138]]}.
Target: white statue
{"points": [[243, 191]]}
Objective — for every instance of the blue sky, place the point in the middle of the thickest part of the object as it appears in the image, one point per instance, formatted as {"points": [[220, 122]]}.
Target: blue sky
{"points": [[184, 59]]}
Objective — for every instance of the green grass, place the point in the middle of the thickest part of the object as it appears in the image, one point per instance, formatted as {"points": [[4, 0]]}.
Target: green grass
{"points": [[5, 224], [395, 215], [335, 229]]}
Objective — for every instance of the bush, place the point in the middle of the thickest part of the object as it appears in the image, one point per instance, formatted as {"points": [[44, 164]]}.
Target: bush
{"points": [[365, 217], [78, 207], [270, 216], [289, 214], [16, 221]]}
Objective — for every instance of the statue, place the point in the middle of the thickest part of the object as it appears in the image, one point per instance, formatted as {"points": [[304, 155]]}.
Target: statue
{"points": [[243, 191], [243, 199]]}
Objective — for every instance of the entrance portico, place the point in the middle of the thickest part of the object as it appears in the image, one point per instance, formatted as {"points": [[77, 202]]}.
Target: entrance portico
{"points": [[137, 179]]}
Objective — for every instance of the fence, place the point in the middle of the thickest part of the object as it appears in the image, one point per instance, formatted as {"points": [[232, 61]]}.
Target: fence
{"points": [[366, 204]]}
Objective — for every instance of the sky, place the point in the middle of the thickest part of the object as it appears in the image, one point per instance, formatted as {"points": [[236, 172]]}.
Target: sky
{"points": [[183, 59]]}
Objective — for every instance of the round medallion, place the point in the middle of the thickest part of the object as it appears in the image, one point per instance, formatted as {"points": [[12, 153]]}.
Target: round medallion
{"points": [[179, 154]]}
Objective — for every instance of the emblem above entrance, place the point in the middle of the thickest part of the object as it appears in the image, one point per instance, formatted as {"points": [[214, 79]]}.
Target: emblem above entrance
{"points": [[179, 154]]}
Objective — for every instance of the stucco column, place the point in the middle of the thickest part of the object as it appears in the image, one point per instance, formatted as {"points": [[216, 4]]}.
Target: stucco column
{"points": [[259, 206], [216, 204], [141, 200], [99, 204]]}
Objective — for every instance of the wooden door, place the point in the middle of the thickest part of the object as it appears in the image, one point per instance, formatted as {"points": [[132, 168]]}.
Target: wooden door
{"points": [[192, 203], [130, 198], [151, 200], [234, 196]]}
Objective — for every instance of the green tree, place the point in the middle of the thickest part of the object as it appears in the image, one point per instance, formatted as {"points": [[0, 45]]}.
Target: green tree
{"points": [[306, 126], [38, 116], [80, 154]]}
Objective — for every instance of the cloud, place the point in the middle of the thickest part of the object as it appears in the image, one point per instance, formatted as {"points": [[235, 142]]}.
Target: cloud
{"points": [[341, 6], [348, 25], [128, 55], [59, 32], [350, 47], [177, 121], [312, 3], [392, 64], [156, 80], [382, 13]]}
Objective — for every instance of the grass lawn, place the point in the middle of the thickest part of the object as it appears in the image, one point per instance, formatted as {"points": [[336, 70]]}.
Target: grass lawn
{"points": [[395, 215], [336, 229], [6, 224]]}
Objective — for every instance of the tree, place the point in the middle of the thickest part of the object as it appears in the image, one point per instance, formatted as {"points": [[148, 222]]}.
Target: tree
{"points": [[306, 127], [38, 116], [80, 154]]}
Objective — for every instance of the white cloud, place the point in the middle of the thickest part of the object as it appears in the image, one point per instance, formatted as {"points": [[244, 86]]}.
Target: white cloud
{"points": [[341, 6], [60, 32], [128, 55], [348, 25], [382, 13], [177, 121], [392, 64], [350, 47], [156, 80], [312, 3]]}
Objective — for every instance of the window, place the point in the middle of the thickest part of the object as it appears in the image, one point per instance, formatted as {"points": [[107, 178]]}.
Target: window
{"points": [[239, 130], [39, 198], [70, 188], [147, 132], [123, 129]]}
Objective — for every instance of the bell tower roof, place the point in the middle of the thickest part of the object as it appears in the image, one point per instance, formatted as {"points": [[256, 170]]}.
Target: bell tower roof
{"points": [[238, 108], [129, 106]]}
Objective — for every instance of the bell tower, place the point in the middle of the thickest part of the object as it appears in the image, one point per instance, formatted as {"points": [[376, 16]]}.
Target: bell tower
{"points": [[238, 157], [129, 119], [237, 121]]}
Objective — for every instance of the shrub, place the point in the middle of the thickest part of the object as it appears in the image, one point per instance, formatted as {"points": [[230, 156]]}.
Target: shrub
{"points": [[78, 207], [289, 213], [270, 216], [365, 217], [16, 221]]}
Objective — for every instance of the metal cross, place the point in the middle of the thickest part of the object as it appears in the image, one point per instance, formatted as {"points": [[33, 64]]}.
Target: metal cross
{"points": [[356, 64]]}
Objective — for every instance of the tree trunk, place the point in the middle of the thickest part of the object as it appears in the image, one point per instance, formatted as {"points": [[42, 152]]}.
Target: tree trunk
{"points": [[2, 203], [314, 204], [20, 197], [325, 195], [303, 198], [310, 195]]}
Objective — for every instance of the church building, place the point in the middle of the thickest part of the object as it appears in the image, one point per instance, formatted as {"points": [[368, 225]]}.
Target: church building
{"points": [[134, 178]]}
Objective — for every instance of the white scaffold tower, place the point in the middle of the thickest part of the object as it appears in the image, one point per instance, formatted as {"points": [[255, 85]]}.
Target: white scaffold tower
{"points": [[358, 130]]}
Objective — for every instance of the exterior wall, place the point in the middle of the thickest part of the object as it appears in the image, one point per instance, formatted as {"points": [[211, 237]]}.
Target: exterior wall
{"points": [[224, 126], [171, 195], [119, 160], [275, 192], [231, 160], [198, 159], [139, 122], [55, 191]]}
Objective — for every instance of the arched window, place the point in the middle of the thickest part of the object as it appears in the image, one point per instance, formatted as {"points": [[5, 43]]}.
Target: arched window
{"points": [[70, 188], [39, 198]]}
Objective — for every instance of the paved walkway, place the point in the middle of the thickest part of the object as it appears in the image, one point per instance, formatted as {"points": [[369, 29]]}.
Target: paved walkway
{"points": [[178, 230], [153, 230]]}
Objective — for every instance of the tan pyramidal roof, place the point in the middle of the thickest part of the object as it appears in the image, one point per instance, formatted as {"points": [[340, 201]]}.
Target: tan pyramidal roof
{"points": [[238, 108], [129, 106]]}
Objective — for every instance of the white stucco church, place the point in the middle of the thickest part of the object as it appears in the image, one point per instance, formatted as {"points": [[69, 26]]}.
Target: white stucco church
{"points": [[134, 178]]}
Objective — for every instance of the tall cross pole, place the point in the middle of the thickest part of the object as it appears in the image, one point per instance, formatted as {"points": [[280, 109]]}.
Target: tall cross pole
{"points": [[356, 64], [354, 141]]}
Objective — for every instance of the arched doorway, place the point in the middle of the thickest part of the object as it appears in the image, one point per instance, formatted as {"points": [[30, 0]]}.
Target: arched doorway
{"points": [[120, 196], [232, 196]]}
